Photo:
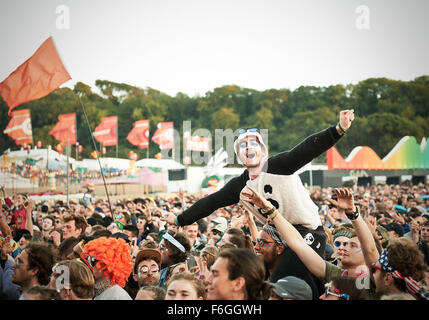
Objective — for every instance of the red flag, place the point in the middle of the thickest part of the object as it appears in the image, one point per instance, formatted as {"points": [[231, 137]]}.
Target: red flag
{"points": [[65, 129], [197, 144], [139, 135], [107, 132], [19, 127], [41, 74], [164, 135]]}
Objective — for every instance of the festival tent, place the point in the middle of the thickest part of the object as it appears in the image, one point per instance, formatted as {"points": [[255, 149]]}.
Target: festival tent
{"points": [[40, 158], [111, 164], [174, 173]]}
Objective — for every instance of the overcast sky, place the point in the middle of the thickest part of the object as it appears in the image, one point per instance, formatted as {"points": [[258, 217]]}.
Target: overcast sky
{"points": [[194, 46]]}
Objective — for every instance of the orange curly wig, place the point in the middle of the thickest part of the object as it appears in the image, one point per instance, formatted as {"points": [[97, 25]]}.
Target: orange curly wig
{"points": [[113, 258]]}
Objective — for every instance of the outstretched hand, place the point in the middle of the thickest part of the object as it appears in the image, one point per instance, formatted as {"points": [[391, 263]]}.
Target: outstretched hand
{"points": [[251, 196], [345, 200], [168, 217]]}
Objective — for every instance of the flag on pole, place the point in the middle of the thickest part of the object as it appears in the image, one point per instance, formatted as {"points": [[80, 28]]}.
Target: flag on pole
{"points": [[41, 74], [107, 131], [65, 129], [164, 135], [139, 135], [19, 127]]}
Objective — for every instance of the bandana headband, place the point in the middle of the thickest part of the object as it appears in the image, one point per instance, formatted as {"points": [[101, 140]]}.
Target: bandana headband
{"points": [[411, 285], [343, 233], [274, 234], [174, 242]]}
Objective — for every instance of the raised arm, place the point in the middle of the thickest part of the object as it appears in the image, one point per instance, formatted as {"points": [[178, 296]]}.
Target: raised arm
{"points": [[346, 202], [29, 218], [293, 238], [228, 195], [289, 162], [4, 227]]}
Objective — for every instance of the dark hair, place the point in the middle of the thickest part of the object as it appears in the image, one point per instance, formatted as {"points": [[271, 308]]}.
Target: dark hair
{"points": [[19, 233], [348, 286], [239, 238], [132, 229], [154, 235], [42, 257], [43, 292], [66, 246], [405, 256], [79, 221], [101, 233], [178, 256], [244, 263]]}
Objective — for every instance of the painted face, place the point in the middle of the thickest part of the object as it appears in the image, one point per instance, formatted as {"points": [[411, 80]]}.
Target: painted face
{"points": [[350, 252], [181, 290], [148, 273], [250, 152], [219, 286]]}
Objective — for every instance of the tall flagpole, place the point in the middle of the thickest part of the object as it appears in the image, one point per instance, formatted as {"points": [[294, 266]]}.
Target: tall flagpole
{"points": [[117, 137], [95, 147], [67, 169]]}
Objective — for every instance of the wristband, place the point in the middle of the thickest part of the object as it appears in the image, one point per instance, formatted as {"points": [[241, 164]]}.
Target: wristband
{"points": [[267, 213], [341, 128], [353, 215], [272, 216]]}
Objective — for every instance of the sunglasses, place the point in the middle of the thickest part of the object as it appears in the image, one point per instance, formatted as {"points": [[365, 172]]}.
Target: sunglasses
{"points": [[162, 247], [263, 242], [338, 244], [241, 131], [144, 270], [217, 232], [374, 268], [337, 292]]}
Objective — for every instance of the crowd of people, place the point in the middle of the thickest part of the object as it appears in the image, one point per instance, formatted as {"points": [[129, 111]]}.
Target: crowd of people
{"points": [[263, 236], [127, 250]]}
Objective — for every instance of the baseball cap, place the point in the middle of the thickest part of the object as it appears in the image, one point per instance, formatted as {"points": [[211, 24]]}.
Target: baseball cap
{"points": [[146, 254], [396, 227], [292, 288], [221, 224]]}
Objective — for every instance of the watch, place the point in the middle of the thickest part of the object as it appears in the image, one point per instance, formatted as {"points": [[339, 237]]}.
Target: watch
{"points": [[353, 215]]}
